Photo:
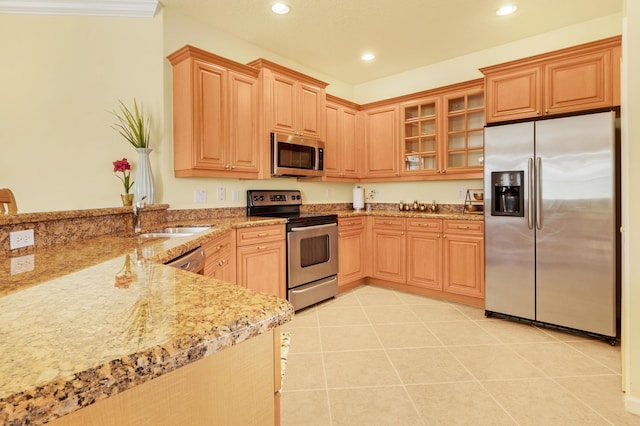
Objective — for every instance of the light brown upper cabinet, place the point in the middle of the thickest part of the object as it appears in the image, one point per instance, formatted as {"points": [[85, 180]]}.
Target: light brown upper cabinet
{"points": [[575, 79], [381, 150], [215, 116], [293, 102], [341, 139]]}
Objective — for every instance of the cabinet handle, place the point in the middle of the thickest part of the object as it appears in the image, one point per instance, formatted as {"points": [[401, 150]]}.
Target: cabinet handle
{"points": [[462, 227], [263, 234], [262, 247]]}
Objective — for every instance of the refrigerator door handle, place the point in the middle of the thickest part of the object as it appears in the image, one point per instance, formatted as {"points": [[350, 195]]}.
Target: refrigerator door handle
{"points": [[538, 193], [530, 204]]}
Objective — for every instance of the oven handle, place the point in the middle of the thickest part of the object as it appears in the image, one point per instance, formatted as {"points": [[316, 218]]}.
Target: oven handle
{"points": [[309, 228]]}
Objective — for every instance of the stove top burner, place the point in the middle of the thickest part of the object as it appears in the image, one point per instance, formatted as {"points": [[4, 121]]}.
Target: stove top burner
{"points": [[285, 204]]}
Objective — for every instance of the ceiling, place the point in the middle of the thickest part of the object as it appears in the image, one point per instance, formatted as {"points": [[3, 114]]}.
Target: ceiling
{"points": [[330, 35]]}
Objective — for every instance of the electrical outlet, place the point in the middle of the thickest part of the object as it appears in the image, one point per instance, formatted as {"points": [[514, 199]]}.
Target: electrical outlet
{"points": [[222, 193], [328, 193], [235, 195], [200, 196], [20, 239], [461, 192], [22, 264]]}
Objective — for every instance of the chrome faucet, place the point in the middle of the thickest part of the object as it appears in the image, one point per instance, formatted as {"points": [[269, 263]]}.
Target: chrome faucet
{"points": [[137, 214]]}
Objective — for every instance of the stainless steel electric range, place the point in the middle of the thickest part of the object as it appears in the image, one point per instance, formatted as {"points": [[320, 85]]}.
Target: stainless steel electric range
{"points": [[312, 245]]}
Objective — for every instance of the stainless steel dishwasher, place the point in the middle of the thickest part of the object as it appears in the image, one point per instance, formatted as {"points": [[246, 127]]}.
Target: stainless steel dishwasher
{"points": [[192, 261]]}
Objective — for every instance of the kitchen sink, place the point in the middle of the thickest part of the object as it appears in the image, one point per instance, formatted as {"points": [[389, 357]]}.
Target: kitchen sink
{"points": [[176, 231]]}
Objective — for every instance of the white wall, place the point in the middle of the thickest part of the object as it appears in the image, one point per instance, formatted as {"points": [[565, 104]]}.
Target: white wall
{"points": [[65, 73], [466, 67], [631, 205]]}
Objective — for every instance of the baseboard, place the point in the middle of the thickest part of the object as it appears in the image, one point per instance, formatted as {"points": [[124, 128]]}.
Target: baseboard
{"points": [[632, 404]]}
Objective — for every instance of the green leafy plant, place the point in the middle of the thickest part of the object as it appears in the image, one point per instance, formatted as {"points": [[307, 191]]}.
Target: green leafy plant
{"points": [[133, 126]]}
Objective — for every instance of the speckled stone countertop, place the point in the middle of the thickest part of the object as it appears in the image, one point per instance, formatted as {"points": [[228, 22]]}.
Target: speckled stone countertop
{"points": [[99, 316], [87, 319]]}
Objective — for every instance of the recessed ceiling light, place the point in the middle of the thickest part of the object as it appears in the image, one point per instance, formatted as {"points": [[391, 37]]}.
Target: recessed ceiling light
{"points": [[280, 8], [368, 57], [506, 10]]}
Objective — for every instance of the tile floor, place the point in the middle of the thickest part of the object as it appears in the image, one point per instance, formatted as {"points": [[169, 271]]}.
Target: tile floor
{"points": [[375, 356]]}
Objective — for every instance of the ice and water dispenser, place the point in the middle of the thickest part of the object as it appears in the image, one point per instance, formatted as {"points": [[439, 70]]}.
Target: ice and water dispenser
{"points": [[507, 197]]}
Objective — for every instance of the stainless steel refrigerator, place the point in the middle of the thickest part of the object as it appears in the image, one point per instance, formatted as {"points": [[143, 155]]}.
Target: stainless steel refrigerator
{"points": [[551, 227]]}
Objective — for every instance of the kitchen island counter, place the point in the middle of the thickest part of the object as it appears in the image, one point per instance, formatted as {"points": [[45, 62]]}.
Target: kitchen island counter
{"points": [[90, 319]]}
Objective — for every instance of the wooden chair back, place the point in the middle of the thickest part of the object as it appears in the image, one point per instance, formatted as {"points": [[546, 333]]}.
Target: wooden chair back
{"points": [[7, 202]]}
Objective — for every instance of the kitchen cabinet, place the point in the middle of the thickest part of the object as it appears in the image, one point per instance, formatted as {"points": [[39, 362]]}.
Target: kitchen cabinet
{"points": [[389, 249], [579, 78], [220, 261], [442, 133], [341, 139], [234, 386], [424, 253], [464, 257], [261, 259], [381, 144], [351, 251], [215, 116], [293, 102]]}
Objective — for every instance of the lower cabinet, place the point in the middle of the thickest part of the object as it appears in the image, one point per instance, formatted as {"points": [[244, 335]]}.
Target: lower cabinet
{"points": [[220, 262], [439, 258], [351, 250], [261, 259], [388, 244], [424, 253], [464, 258]]}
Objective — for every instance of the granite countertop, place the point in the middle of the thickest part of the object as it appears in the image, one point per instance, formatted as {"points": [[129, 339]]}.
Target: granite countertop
{"points": [[99, 316], [87, 319]]}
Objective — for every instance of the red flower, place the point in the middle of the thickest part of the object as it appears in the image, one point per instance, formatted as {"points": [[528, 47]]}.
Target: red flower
{"points": [[124, 167]]}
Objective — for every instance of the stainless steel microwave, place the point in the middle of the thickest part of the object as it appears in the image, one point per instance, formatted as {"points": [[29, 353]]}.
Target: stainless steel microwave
{"points": [[296, 156]]}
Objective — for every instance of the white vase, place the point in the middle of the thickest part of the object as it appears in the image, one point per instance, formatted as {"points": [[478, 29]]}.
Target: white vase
{"points": [[143, 184]]}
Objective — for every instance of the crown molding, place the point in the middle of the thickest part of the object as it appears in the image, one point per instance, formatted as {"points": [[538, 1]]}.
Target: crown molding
{"points": [[127, 8]]}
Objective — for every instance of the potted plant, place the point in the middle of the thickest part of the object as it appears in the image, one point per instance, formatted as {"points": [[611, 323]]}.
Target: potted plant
{"points": [[135, 127]]}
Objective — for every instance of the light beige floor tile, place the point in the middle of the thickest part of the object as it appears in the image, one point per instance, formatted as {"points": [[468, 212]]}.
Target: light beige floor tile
{"points": [[604, 395], [372, 289], [471, 312], [305, 340], [461, 333], [304, 408], [372, 406], [415, 299], [494, 362], [559, 359], [359, 368], [601, 352], [379, 299], [564, 336], [514, 332], [427, 365], [304, 372], [355, 337], [457, 404], [438, 312], [340, 301], [304, 318], [390, 314], [353, 315], [408, 335], [541, 402]]}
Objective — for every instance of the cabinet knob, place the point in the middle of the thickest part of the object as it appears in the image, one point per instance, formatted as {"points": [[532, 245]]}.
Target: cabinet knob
{"points": [[226, 166]]}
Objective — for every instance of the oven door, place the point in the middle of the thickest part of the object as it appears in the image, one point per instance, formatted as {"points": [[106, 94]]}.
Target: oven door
{"points": [[312, 253]]}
